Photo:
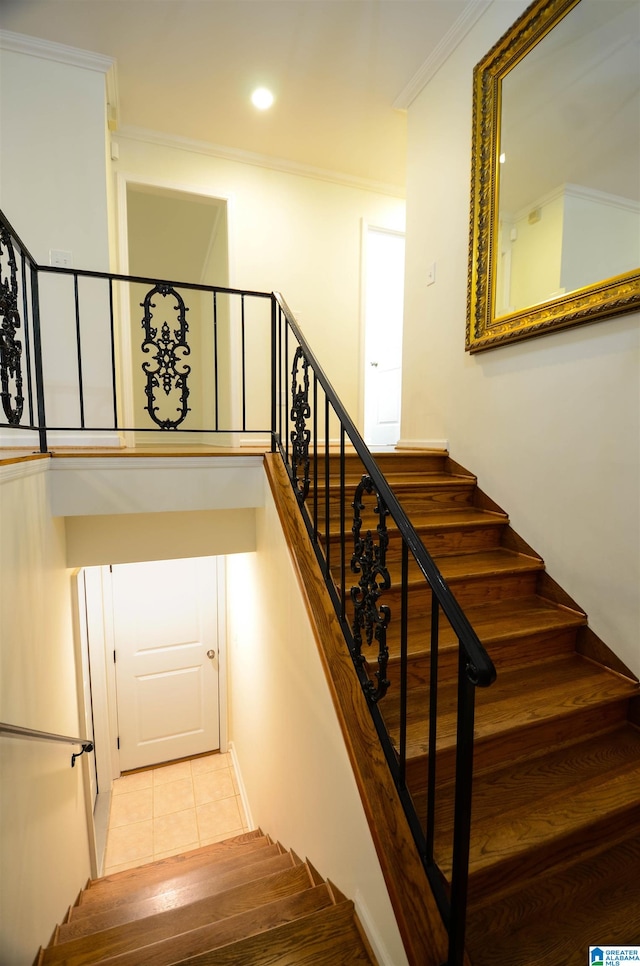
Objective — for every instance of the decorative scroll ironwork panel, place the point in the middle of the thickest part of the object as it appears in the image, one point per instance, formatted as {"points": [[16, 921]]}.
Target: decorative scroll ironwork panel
{"points": [[370, 621], [300, 435], [10, 323], [167, 372]]}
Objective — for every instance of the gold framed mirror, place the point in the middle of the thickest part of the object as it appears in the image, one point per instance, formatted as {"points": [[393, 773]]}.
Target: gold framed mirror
{"points": [[555, 193]]}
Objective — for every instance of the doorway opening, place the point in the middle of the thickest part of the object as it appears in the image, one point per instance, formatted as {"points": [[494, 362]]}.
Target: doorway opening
{"points": [[383, 317], [175, 235], [153, 641]]}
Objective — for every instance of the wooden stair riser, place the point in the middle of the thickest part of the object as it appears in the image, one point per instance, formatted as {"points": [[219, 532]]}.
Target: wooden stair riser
{"points": [[456, 538], [232, 850], [414, 498], [617, 859], [608, 882], [470, 593], [520, 743], [193, 914], [180, 892], [405, 464], [327, 938], [195, 941], [523, 651], [106, 892], [603, 770], [510, 873]]}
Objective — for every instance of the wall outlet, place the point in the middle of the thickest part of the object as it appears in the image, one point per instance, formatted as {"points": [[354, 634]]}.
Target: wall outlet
{"points": [[60, 259]]}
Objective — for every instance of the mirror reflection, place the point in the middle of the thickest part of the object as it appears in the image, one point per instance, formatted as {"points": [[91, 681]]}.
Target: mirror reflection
{"points": [[568, 182]]}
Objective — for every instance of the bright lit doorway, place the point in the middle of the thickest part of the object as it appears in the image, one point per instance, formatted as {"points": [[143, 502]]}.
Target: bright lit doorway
{"points": [[383, 317]]}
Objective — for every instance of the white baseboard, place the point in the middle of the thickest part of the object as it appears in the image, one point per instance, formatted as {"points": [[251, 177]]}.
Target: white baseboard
{"points": [[19, 439], [263, 441], [367, 921], [440, 444], [241, 786], [84, 439]]}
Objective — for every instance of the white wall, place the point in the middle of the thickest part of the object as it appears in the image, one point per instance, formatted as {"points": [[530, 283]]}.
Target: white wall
{"points": [[53, 189], [53, 185], [284, 729], [551, 425], [44, 851], [289, 233]]}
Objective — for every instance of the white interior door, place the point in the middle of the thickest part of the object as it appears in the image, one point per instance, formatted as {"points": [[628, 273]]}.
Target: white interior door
{"points": [[384, 306], [165, 625]]}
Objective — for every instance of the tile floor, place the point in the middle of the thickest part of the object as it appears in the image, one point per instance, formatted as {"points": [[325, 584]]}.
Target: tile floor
{"points": [[171, 809]]}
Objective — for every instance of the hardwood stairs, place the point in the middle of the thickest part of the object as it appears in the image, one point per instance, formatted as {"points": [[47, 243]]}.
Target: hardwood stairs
{"points": [[555, 842], [241, 902]]}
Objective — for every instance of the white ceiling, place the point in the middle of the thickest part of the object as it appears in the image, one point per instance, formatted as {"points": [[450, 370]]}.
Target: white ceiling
{"points": [[336, 67]]}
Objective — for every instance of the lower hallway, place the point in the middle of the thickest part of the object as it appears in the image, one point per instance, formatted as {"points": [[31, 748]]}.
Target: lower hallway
{"points": [[172, 808]]}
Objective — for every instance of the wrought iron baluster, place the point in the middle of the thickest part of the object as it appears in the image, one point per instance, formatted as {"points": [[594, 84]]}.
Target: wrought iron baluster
{"points": [[300, 412], [244, 363], [369, 560], [216, 402], [274, 375], [10, 346], [168, 350], [112, 343], [27, 350], [76, 298]]}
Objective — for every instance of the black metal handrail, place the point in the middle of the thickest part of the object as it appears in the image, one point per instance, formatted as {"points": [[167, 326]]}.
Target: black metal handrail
{"points": [[298, 410], [17, 731], [306, 449]]}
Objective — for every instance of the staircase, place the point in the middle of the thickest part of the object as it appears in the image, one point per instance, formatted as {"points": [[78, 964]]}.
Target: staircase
{"points": [[555, 840], [241, 902]]}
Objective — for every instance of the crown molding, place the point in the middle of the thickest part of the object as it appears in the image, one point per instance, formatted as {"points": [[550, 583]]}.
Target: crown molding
{"points": [[454, 36], [260, 160], [48, 50]]}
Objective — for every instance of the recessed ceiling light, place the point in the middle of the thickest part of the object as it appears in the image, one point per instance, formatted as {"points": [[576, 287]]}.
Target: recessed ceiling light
{"points": [[262, 98]]}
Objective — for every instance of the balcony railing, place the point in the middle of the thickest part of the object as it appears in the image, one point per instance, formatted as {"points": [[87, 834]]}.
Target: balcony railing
{"points": [[96, 354]]}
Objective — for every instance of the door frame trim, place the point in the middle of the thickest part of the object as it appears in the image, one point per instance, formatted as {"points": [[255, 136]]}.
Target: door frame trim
{"points": [[101, 634]]}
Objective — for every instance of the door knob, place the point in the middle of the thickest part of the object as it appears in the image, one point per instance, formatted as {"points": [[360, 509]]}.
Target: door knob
{"points": [[211, 654]]}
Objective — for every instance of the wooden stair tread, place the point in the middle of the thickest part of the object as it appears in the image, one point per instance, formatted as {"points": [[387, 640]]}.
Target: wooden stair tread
{"points": [[497, 621], [115, 912], [326, 938], [415, 494], [208, 909], [124, 890], [400, 479], [497, 560], [520, 615], [600, 899], [478, 564], [563, 686], [538, 802], [248, 843], [205, 938], [449, 519], [417, 462]]}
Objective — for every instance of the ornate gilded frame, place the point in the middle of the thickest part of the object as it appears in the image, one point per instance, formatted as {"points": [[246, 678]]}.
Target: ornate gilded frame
{"points": [[611, 297]]}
